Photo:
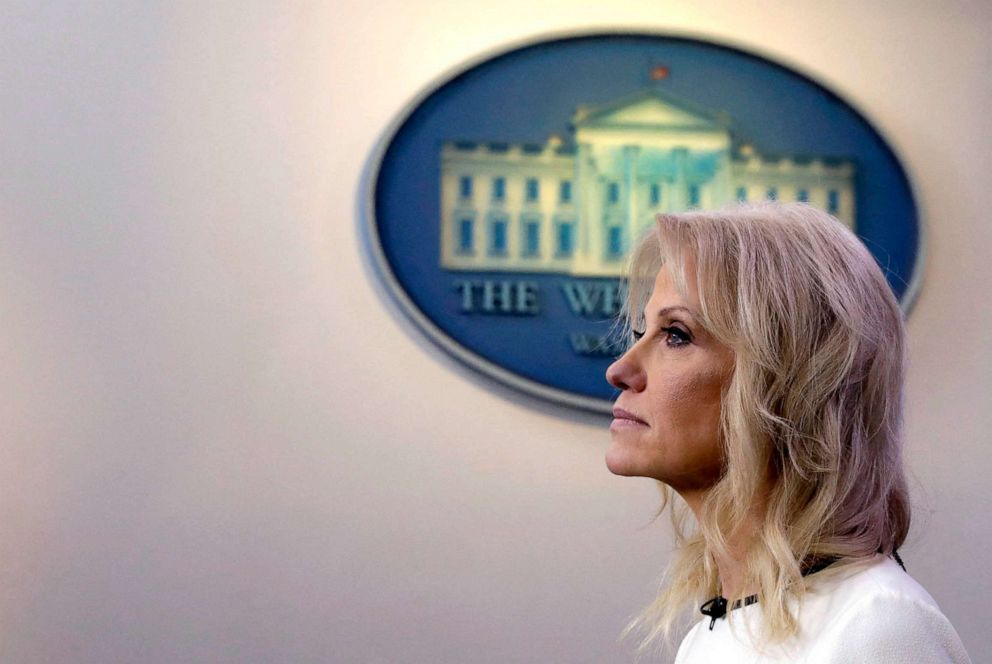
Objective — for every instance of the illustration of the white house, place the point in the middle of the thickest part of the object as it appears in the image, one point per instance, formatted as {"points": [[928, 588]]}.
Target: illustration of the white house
{"points": [[574, 208]]}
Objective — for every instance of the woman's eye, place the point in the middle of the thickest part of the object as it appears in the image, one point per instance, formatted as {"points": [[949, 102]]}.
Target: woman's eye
{"points": [[676, 336], [637, 335]]}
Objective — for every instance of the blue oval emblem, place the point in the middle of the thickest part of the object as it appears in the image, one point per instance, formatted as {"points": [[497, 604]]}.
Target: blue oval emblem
{"points": [[502, 204]]}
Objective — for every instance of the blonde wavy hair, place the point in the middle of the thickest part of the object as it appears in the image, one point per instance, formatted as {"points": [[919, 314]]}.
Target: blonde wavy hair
{"points": [[811, 418]]}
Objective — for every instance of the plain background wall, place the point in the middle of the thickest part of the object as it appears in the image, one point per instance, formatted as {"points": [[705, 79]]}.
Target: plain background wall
{"points": [[222, 443]]}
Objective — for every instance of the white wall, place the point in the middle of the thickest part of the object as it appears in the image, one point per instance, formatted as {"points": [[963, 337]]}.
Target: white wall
{"points": [[222, 443]]}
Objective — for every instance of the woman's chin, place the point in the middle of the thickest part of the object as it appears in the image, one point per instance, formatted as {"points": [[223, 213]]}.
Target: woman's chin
{"points": [[618, 461]]}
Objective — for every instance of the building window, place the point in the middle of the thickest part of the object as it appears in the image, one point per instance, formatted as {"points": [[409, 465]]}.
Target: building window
{"points": [[655, 194], [615, 241], [532, 236], [532, 189], [833, 201], [694, 195], [497, 236], [565, 191], [742, 193], [465, 186], [772, 193], [499, 189], [466, 244], [802, 196], [565, 241], [613, 192]]}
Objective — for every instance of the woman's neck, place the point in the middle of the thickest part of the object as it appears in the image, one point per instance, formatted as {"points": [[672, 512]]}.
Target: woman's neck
{"points": [[731, 567], [731, 571]]}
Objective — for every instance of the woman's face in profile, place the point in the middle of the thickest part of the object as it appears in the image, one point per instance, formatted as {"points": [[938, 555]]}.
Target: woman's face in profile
{"points": [[667, 418]]}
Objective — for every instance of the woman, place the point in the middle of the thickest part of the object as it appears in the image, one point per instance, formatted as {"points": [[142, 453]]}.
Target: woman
{"points": [[764, 387]]}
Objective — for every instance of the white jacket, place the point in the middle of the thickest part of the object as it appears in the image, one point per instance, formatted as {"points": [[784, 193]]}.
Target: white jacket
{"points": [[873, 613]]}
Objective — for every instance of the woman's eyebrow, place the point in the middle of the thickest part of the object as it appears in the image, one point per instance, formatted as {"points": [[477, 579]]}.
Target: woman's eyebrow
{"points": [[668, 310]]}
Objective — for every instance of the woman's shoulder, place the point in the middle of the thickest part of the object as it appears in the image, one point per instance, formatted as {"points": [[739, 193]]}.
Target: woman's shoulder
{"points": [[874, 611], [868, 610], [848, 583]]}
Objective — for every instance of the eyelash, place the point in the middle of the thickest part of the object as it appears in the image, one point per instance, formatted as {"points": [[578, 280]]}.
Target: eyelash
{"points": [[682, 335]]}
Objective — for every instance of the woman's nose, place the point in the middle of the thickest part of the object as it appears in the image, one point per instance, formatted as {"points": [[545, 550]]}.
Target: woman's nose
{"points": [[625, 374]]}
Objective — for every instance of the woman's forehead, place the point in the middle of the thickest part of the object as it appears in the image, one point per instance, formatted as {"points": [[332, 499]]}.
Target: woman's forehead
{"points": [[666, 292]]}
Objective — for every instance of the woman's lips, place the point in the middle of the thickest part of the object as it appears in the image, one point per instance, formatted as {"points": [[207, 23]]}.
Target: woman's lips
{"points": [[624, 419]]}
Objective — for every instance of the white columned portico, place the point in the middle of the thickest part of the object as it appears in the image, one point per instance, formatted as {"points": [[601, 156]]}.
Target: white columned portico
{"points": [[680, 187], [589, 232], [630, 157]]}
